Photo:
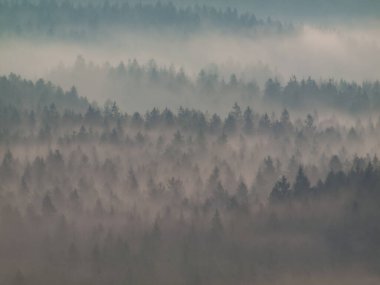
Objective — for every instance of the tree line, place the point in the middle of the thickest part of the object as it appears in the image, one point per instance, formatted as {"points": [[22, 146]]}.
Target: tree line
{"points": [[76, 20], [95, 195], [215, 89]]}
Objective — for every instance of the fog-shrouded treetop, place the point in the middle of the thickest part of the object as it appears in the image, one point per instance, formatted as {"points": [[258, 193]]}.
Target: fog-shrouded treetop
{"points": [[189, 142], [279, 8], [78, 21], [95, 194]]}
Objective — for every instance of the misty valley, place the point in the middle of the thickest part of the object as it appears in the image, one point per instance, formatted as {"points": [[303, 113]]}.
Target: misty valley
{"points": [[206, 142]]}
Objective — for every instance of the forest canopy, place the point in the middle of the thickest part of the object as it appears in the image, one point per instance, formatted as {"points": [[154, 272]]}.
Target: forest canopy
{"points": [[110, 191], [211, 142]]}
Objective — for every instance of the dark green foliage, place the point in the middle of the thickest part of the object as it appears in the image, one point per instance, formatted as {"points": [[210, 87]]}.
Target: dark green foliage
{"points": [[41, 96]]}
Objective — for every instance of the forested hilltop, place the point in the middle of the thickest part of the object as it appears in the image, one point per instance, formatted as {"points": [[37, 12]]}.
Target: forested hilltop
{"points": [[306, 9], [94, 195], [137, 86], [79, 21]]}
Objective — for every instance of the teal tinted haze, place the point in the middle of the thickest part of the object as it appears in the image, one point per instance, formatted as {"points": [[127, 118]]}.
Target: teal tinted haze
{"points": [[44, 40]]}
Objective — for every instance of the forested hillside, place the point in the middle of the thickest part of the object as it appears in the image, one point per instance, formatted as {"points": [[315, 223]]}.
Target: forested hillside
{"points": [[189, 142], [138, 86], [97, 195]]}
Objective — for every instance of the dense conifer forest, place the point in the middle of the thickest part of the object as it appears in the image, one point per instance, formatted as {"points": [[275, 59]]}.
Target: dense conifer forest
{"points": [[127, 160]]}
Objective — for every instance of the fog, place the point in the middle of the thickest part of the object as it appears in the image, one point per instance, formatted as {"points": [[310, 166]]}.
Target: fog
{"points": [[320, 53], [311, 51], [212, 142], [103, 196]]}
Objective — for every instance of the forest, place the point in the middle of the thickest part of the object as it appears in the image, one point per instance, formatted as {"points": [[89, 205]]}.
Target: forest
{"points": [[77, 21], [128, 160], [210, 88], [87, 192]]}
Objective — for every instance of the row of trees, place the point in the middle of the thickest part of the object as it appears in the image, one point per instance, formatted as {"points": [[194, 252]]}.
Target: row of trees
{"points": [[152, 81], [57, 18], [350, 97], [112, 125], [21, 94], [363, 180]]}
